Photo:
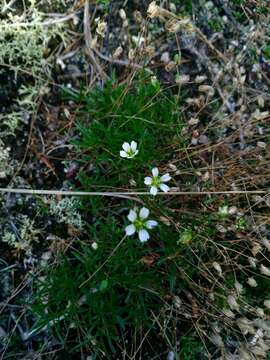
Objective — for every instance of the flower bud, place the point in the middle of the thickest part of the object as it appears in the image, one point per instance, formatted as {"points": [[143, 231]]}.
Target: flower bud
{"points": [[122, 14], [252, 282], [264, 270], [154, 10], [217, 267], [266, 303], [232, 303]]}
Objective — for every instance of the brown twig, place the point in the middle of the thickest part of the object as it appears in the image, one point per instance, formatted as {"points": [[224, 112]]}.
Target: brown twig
{"points": [[33, 120], [88, 42]]}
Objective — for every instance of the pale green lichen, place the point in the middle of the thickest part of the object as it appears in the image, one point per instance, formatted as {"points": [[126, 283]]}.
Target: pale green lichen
{"points": [[25, 50], [5, 167], [66, 211], [9, 123], [24, 40], [9, 238], [25, 236]]}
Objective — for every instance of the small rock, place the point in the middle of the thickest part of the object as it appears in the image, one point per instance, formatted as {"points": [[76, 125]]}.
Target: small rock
{"points": [[203, 139], [200, 78], [165, 57], [182, 79], [194, 141], [193, 121]]}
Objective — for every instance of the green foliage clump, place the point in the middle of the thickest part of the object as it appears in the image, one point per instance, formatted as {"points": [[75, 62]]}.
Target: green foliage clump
{"points": [[102, 293], [112, 115], [95, 296]]}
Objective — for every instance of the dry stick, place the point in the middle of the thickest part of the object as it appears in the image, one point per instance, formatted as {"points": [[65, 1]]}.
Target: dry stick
{"points": [[7, 6], [46, 23], [88, 41], [211, 46], [126, 194], [11, 335], [33, 120], [117, 61], [200, 34]]}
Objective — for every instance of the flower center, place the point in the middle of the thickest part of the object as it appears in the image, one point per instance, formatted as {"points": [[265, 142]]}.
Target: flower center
{"points": [[155, 181], [130, 152], [139, 224]]}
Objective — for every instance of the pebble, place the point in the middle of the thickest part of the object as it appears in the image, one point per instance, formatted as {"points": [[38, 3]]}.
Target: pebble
{"points": [[193, 121], [203, 139]]}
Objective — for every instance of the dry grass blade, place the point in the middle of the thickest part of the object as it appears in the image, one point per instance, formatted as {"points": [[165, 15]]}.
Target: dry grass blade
{"points": [[88, 42], [126, 194]]}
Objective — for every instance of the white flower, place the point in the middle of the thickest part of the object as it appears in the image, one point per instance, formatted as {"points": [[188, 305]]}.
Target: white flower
{"points": [[252, 282], [157, 182], [101, 28], [140, 224], [223, 210], [266, 303], [265, 270], [129, 150]]}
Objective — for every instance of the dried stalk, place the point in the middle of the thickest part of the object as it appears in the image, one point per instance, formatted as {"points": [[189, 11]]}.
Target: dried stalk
{"points": [[126, 194]]}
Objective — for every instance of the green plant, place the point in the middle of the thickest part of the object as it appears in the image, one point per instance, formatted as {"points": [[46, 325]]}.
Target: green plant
{"points": [[104, 2], [99, 295], [186, 4], [115, 114], [95, 296], [266, 51], [191, 347]]}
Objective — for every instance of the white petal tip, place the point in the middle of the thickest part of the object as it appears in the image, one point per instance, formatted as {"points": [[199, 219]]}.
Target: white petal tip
{"points": [[155, 171], [143, 236], [150, 224], [164, 188], [147, 180], [153, 191], [130, 230], [133, 146], [123, 154], [165, 178], [144, 213], [132, 216]]}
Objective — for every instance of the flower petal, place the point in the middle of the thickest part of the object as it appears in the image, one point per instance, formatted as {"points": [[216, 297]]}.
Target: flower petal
{"points": [[164, 187], [132, 216], [150, 224], [123, 154], [155, 171], [126, 146], [130, 230], [133, 146], [143, 235], [144, 213], [148, 180], [165, 177], [153, 190]]}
